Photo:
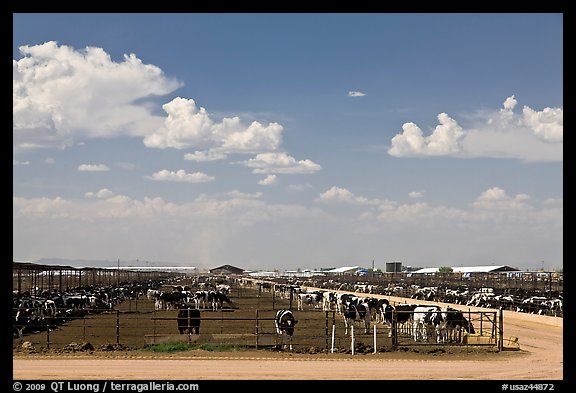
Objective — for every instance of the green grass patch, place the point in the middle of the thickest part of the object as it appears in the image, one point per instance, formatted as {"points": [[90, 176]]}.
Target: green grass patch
{"points": [[180, 347]]}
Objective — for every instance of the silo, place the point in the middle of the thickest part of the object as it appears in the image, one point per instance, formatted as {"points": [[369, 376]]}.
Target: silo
{"points": [[393, 267]]}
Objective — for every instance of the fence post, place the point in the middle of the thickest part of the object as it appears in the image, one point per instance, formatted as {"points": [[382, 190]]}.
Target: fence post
{"points": [[393, 326], [154, 326], [117, 326], [48, 333], [374, 338], [501, 331], [326, 319], [352, 343], [256, 329]]}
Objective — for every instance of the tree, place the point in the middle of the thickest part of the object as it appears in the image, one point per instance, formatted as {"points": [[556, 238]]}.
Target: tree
{"points": [[445, 269]]}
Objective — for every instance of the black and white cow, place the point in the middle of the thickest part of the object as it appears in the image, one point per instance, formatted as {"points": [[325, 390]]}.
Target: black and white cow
{"points": [[311, 299], [456, 323], [285, 323], [217, 298], [328, 301], [357, 310], [377, 308], [404, 317], [188, 320], [425, 318]]}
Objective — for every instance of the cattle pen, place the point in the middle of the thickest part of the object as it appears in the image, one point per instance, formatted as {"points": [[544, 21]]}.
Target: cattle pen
{"points": [[137, 321]]}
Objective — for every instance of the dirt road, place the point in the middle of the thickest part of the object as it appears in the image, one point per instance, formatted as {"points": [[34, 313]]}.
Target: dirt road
{"points": [[540, 358]]}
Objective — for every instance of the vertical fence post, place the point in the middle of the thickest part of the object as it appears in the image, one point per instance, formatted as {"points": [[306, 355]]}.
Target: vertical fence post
{"points": [[352, 343], [332, 347], [393, 325], [48, 333], [256, 328], [117, 326], [501, 331], [154, 326], [326, 330], [374, 338]]}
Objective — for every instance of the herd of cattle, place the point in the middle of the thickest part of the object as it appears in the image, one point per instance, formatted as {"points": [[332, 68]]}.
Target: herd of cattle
{"points": [[443, 324], [41, 310], [513, 299]]}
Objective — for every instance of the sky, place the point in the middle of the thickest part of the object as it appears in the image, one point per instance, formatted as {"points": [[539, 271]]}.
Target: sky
{"points": [[281, 141]]}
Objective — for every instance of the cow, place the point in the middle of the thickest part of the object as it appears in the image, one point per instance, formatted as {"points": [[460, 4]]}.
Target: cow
{"points": [[216, 299], [188, 320], [424, 319], [313, 299], [404, 317], [357, 311], [455, 323], [377, 308], [285, 323], [328, 300]]}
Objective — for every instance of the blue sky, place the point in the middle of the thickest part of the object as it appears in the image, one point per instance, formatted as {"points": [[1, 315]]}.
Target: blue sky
{"points": [[285, 141]]}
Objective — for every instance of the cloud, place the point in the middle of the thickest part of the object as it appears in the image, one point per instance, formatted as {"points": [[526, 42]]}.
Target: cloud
{"points": [[280, 163], [235, 194], [62, 95], [205, 156], [103, 193], [444, 140], [342, 195], [17, 163], [548, 124], [93, 168], [181, 176], [210, 227], [268, 180], [298, 187], [531, 136], [415, 194], [496, 199], [355, 94], [188, 126]]}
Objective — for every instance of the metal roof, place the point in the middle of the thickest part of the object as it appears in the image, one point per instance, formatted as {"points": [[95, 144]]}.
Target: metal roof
{"points": [[470, 269], [344, 269]]}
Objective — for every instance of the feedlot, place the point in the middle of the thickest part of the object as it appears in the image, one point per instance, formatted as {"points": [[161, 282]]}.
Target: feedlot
{"points": [[247, 322], [108, 346]]}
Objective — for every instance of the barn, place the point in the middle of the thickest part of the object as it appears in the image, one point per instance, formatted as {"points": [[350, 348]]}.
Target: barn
{"points": [[226, 269], [469, 270], [344, 270]]}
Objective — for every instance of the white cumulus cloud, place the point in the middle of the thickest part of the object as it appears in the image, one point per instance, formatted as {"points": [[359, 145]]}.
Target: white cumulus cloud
{"points": [[532, 135], [268, 180], [356, 94], [444, 140], [93, 168], [103, 193], [205, 156], [181, 176], [189, 126], [280, 163], [343, 195], [62, 95]]}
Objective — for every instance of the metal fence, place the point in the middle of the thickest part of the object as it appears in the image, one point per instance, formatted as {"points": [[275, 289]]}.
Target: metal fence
{"points": [[137, 326]]}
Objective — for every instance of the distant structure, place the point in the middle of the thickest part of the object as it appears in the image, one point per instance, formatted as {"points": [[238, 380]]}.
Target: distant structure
{"points": [[469, 269], [344, 270], [226, 269], [393, 267]]}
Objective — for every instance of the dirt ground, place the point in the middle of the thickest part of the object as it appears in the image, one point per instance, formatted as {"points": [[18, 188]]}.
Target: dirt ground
{"points": [[540, 358]]}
